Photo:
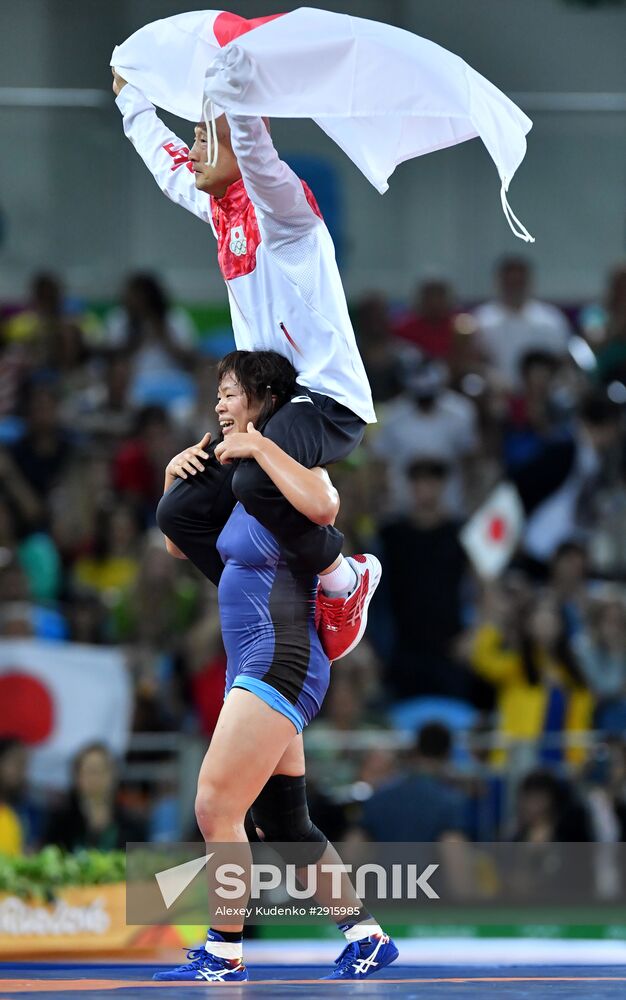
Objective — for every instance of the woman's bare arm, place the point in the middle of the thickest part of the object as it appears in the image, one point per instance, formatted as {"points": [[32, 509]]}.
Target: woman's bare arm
{"points": [[310, 491]]}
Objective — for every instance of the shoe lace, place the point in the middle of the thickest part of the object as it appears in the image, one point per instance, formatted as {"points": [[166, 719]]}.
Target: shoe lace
{"points": [[198, 956], [333, 614], [338, 613], [348, 956]]}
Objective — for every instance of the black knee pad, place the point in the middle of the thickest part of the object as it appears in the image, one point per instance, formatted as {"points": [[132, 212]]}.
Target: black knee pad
{"points": [[282, 813]]}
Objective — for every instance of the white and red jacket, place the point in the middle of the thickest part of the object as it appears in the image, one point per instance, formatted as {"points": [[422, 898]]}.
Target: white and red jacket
{"points": [[274, 251]]}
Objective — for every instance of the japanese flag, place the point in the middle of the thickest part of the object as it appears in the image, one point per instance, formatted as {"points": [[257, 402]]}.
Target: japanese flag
{"points": [[383, 94], [492, 534], [57, 697]]}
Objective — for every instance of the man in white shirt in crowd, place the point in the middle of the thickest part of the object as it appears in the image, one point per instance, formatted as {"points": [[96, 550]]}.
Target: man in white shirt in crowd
{"points": [[515, 322], [428, 420]]}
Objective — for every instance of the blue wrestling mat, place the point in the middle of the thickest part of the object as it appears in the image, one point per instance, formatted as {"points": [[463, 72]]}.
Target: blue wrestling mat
{"points": [[131, 982]]}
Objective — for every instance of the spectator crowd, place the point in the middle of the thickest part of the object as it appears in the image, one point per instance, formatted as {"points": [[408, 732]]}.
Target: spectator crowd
{"points": [[477, 706]]}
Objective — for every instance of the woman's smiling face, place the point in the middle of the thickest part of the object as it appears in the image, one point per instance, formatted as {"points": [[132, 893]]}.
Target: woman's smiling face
{"points": [[234, 409]]}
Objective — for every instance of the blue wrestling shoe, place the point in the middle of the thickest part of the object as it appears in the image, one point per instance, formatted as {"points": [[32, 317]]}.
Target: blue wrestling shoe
{"points": [[205, 967], [361, 959]]}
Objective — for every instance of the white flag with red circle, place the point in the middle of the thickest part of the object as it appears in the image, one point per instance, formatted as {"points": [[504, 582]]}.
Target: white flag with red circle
{"points": [[492, 534], [58, 697], [383, 94]]}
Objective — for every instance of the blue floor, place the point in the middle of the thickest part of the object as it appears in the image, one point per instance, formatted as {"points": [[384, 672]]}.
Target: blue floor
{"points": [[86, 981]]}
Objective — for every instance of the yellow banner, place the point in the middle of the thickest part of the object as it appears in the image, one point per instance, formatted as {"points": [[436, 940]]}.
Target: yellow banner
{"points": [[82, 919]]}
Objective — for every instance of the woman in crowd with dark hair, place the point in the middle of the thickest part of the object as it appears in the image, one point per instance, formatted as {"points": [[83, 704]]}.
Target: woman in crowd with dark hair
{"points": [[92, 817], [540, 688], [146, 322], [277, 671]]}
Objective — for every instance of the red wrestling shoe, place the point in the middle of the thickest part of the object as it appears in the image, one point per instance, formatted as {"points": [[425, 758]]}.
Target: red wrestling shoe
{"points": [[342, 620]]}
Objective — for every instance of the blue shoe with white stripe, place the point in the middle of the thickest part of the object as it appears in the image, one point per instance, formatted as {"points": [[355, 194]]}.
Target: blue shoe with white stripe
{"points": [[205, 967], [361, 959]]}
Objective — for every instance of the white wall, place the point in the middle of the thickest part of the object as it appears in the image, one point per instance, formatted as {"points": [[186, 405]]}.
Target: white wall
{"points": [[76, 198]]}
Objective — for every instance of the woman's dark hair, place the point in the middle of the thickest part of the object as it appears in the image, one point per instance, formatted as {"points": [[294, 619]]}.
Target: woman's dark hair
{"points": [[96, 747], [149, 289], [570, 817], [101, 547], [563, 653], [262, 375]]}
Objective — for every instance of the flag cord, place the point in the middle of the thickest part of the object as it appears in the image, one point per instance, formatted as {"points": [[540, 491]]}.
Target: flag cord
{"points": [[521, 232]]}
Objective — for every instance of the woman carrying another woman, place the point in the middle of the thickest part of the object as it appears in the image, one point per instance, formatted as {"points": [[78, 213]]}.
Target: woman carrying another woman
{"points": [[277, 673]]}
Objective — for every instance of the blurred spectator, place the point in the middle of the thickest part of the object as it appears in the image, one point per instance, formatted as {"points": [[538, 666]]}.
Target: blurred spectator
{"points": [[378, 766], [153, 615], [548, 812], [515, 323], [159, 341], [45, 450], [11, 839], [349, 706], [601, 653], [606, 328], [87, 618], [21, 618], [535, 414], [17, 620], [139, 462], [11, 832], [425, 570], [557, 485], [13, 369], [76, 503], [35, 552], [541, 691], [380, 352], [606, 800], [15, 796], [568, 580], [204, 662], [25, 506], [113, 561], [422, 805], [427, 420], [157, 335], [104, 406], [13, 581], [486, 787], [430, 326], [161, 601], [199, 415], [54, 338], [92, 817], [569, 583]]}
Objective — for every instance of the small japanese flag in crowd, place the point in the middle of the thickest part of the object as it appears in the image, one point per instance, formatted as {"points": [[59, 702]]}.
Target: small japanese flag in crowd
{"points": [[493, 533]]}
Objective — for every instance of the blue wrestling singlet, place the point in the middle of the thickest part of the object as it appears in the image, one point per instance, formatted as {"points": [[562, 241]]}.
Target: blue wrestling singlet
{"points": [[268, 622]]}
